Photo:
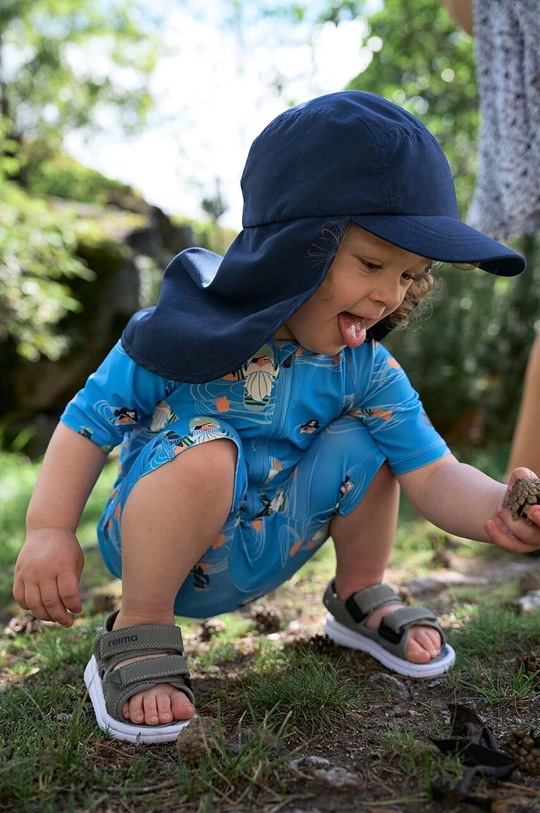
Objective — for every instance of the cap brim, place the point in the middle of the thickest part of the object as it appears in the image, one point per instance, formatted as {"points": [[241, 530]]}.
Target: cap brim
{"points": [[445, 239]]}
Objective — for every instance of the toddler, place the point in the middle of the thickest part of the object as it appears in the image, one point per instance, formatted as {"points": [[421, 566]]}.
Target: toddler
{"points": [[258, 414]]}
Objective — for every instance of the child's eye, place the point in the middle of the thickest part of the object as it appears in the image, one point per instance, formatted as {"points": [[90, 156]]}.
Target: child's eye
{"points": [[369, 266]]}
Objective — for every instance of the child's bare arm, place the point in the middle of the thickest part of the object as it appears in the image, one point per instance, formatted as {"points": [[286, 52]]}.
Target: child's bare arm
{"points": [[463, 501], [50, 563]]}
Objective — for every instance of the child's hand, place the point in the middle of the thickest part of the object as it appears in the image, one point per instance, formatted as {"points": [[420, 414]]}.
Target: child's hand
{"points": [[47, 575], [516, 536]]}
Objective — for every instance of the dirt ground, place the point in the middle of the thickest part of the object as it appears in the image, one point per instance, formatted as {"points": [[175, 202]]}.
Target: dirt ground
{"points": [[339, 767], [342, 765]]}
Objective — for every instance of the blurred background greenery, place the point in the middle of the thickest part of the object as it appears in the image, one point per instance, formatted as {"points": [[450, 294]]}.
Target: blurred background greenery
{"points": [[79, 252]]}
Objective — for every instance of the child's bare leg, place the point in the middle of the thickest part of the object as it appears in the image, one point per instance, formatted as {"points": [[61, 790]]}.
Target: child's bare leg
{"points": [[363, 540], [171, 518]]}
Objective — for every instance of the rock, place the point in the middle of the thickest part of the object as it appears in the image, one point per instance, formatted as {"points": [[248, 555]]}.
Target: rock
{"points": [[392, 686], [529, 602], [309, 761], [337, 778], [419, 587]]}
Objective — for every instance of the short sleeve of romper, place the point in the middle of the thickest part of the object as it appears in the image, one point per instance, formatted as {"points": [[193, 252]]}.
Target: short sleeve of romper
{"points": [[116, 398], [387, 404]]}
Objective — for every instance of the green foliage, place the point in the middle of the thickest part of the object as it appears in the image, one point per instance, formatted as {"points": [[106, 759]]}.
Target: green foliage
{"points": [[37, 258], [64, 65], [468, 359], [420, 61], [62, 62], [47, 173]]}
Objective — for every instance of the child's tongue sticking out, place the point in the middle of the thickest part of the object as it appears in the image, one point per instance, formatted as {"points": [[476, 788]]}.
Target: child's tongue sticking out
{"points": [[352, 329]]}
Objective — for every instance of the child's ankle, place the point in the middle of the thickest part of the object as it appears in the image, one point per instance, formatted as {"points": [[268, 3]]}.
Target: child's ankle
{"points": [[129, 618], [345, 588]]}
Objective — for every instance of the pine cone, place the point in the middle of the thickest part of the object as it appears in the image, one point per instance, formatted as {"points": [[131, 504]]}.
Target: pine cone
{"points": [[524, 493], [196, 741], [530, 665], [210, 628], [524, 748], [322, 645], [266, 618], [25, 624], [528, 582]]}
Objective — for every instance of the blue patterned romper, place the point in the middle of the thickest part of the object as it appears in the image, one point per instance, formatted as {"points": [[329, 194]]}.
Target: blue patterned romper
{"points": [[311, 433]]}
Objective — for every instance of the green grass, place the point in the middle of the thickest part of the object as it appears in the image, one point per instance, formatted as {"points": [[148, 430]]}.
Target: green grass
{"points": [[302, 686], [267, 700], [17, 480]]}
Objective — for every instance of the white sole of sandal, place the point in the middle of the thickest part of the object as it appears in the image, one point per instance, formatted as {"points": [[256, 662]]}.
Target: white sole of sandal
{"points": [[125, 731], [345, 637]]}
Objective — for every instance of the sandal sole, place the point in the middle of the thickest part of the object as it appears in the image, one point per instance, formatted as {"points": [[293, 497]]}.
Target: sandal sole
{"points": [[125, 731], [354, 640]]}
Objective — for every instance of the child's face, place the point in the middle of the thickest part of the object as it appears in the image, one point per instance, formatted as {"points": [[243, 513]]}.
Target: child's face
{"points": [[367, 280]]}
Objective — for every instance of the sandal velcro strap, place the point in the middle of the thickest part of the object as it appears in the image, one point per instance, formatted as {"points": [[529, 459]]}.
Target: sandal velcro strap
{"points": [[120, 681], [374, 597], [159, 670], [392, 633], [139, 639], [398, 620]]}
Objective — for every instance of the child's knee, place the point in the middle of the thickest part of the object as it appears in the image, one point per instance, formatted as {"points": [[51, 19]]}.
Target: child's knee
{"points": [[214, 461]]}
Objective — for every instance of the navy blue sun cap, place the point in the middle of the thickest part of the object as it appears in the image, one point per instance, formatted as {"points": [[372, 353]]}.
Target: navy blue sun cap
{"points": [[344, 157]]}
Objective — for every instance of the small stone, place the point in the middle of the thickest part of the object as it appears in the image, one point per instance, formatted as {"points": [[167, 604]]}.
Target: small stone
{"points": [[295, 626], [309, 761], [529, 602], [419, 587], [395, 688], [337, 778]]}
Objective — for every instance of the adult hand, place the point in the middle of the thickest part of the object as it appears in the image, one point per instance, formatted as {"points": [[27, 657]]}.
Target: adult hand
{"points": [[47, 575]]}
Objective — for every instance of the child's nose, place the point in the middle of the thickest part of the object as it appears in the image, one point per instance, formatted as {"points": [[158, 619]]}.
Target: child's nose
{"points": [[387, 292]]}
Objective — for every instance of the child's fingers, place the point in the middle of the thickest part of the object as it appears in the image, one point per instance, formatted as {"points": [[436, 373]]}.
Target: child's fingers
{"points": [[521, 471], [515, 536], [33, 602], [503, 537], [68, 589], [534, 514], [53, 605]]}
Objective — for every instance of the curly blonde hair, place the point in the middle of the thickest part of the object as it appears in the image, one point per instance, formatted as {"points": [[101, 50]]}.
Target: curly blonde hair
{"points": [[327, 245]]}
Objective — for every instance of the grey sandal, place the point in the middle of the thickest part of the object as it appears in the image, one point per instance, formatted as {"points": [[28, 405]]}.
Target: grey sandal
{"points": [[109, 688], [345, 625]]}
